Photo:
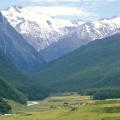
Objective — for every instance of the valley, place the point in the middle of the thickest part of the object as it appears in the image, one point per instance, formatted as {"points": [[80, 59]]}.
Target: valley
{"points": [[53, 38], [93, 65], [59, 69], [67, 106]]}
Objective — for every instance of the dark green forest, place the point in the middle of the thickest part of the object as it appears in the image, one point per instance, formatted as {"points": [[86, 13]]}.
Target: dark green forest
{"points": [[21, 82], [4, 107], [102, 93], [96, 64], [9, 92]]}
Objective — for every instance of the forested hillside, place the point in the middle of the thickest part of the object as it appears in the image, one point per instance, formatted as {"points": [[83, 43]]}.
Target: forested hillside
{"points": [[9, 92], [102, 93], [29, 88], [96, 64], [4, 107]]}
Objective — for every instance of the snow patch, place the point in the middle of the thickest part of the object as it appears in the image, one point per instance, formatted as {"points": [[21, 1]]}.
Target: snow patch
{"points": [[29, 103], [38, 29]]}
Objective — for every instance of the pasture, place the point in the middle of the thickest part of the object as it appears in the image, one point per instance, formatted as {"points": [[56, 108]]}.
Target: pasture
{"points": [[66, 107]]}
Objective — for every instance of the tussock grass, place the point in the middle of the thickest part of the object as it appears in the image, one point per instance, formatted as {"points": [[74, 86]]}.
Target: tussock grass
{"points": [[72, 107]]}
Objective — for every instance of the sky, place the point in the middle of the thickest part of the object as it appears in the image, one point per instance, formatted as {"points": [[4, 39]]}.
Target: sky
{"points": [[70, 9]]}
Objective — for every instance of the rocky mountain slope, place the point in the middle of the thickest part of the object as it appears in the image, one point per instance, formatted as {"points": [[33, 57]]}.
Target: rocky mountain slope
{"points": [[38, 29], [85, 33], [17, 49], [30, 89], [53, 37]]}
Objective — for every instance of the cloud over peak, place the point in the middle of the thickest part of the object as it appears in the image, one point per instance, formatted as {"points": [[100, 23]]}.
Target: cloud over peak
{"points": [[75, 9], [62, 11]]}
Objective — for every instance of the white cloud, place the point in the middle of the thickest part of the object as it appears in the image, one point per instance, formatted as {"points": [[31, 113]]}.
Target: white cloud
{"points": [[55, 0], [62, 11], [48, 1], [81, 3], [98, 1], [68, 8], [77, 2], [43, 0]]}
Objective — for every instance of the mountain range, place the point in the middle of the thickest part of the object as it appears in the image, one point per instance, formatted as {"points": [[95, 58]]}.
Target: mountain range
{"points": [[16, 48], [60, 54], [83, 34], [38, 29], [52, 38], [16, 85], [94, 65]]}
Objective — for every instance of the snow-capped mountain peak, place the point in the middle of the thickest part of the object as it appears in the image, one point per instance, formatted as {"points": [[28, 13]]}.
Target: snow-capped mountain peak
{"points": [[78, 22], [38, 29], [97, 29], [41, 30]]}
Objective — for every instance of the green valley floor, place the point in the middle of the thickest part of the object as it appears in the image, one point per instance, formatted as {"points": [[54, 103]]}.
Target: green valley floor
{"points": [[67, 106]]}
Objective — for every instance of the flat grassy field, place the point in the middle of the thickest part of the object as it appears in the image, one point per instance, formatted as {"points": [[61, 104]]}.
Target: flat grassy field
{"points": [[66, 107]]}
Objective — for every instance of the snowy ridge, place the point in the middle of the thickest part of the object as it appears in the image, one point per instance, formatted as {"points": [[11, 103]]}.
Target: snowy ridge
{"points": [[22, 54], [82, 35], [97, 29], [39, 30]]}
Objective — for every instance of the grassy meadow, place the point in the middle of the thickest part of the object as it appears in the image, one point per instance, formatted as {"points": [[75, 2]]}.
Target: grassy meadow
{"points": [[67, 107]]}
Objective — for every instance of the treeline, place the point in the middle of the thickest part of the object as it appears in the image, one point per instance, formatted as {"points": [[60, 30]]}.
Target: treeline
{"points": [[96, 64], [4, 107], [16, 86], [9, 92], [102, 93], [34, 92], [21, 84]]}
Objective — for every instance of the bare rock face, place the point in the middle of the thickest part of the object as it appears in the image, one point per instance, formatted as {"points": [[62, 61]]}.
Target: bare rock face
{"points": [[1, 18], [38, 29], [16, 48], [53, 38]]}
